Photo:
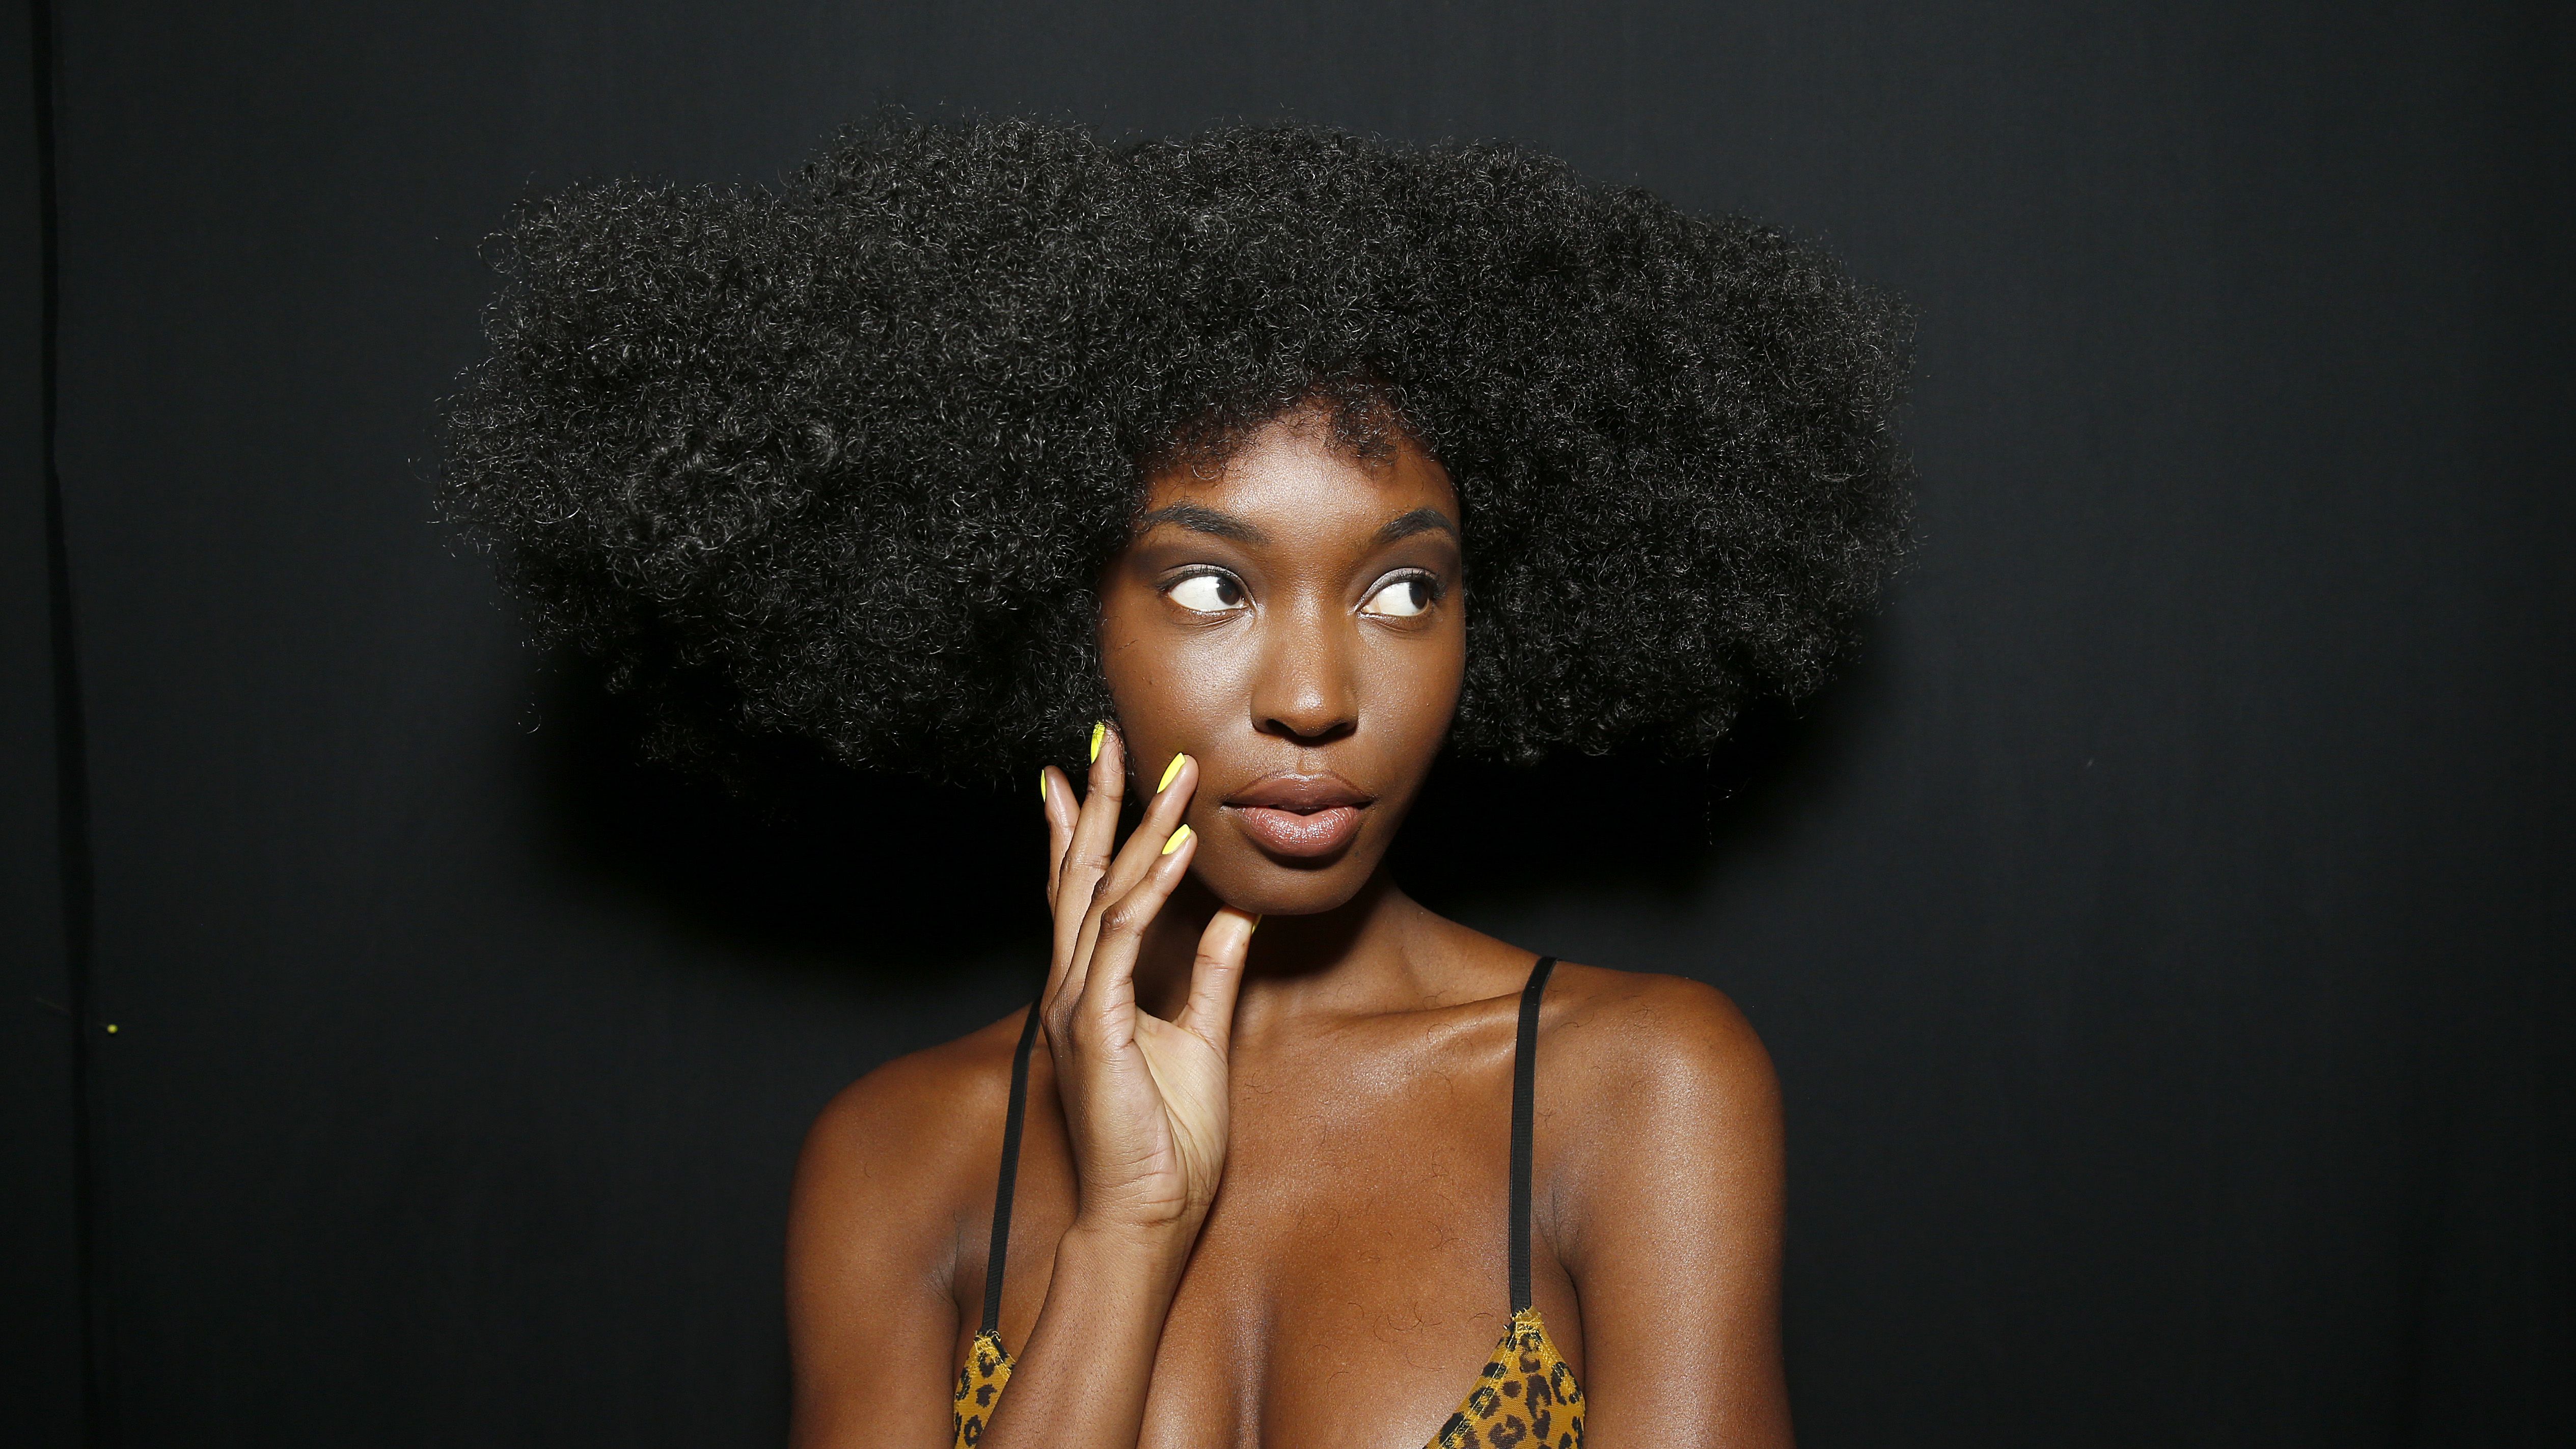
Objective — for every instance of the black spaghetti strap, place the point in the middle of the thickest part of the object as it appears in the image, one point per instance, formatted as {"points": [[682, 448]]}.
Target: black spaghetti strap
{"points": [[1524, 1111], [1012, 1122]]}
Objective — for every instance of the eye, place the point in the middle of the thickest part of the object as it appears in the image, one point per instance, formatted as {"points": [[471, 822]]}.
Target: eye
{"points": [[1208, 593], [1402, 598]]}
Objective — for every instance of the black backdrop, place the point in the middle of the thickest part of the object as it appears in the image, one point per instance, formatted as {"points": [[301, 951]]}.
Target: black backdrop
{"points": [[2162, 929]]}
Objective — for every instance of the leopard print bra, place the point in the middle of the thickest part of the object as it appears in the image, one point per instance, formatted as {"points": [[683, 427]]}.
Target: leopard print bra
{"points": [[1525, 1397]]}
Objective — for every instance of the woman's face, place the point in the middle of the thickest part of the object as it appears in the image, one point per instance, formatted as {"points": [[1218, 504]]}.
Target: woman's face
{"points": [[1296, 624]]}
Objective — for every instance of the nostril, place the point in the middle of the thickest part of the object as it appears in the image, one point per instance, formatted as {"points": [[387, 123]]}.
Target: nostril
{"points": [[1311, 731]]}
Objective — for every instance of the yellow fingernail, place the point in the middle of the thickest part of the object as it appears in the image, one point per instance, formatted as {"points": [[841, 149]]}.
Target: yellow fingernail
{"points": [[1255, 926], [1042, 788], [1099, 732], [1175, 842], [1171, 772]]}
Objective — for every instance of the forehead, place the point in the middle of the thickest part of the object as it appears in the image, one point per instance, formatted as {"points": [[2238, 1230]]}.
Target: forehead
{"points": [[1292, 479]]}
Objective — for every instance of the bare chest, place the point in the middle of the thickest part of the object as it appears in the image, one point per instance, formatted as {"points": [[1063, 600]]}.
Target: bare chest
{"points": [[1353, 1274]]}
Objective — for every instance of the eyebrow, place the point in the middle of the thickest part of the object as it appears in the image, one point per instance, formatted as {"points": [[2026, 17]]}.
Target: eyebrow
{"points": [[1420, 520], [1201, 520], [1225, 525]]}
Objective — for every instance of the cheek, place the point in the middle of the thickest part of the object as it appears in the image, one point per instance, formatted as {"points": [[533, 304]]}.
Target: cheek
{"points": [[1170, 687], [1413, 690]]}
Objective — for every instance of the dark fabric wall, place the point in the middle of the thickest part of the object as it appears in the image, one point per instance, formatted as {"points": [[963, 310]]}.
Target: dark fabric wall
{"points": [[2162, 928], [40, 1288]]}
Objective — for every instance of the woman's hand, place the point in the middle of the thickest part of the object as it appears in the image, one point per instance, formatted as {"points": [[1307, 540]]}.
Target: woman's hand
{"points": [[1144, 1098]]}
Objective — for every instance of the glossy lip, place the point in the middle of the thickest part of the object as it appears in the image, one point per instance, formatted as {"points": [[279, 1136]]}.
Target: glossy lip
{"points": [[1299, 816]]}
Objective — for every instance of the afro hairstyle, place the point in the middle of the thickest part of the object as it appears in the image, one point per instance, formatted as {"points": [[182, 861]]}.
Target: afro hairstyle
{"points": [[845, 459]]}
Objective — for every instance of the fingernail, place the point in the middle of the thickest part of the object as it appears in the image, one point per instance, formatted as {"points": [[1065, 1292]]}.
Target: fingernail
{"points": [[1255, 926], [1175, 842], [1099, 732], [1171, 772], [1042, 787]]}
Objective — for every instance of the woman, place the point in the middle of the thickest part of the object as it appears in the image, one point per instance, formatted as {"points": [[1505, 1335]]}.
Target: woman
{"points": [[1257, 469]]}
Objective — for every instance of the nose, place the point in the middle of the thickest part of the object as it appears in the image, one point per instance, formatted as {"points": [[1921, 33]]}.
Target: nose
{"points": [[1305, 691]]}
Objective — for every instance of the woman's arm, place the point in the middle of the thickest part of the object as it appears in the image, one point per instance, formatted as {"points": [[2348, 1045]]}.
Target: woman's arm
{"points": [[872, 1244], [873, 1234], [1671, 1216], [1145, 1108]]}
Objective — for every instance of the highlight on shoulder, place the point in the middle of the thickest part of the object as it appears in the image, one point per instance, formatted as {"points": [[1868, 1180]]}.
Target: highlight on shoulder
{"points": [[913, 1127], [1677, 1048]]}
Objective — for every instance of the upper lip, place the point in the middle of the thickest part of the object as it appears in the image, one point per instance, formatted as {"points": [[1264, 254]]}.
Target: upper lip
{"points": [[1304, 794]]}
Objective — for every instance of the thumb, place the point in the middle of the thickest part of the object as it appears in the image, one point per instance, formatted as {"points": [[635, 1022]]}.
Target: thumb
{"points": [[1216, 977]]}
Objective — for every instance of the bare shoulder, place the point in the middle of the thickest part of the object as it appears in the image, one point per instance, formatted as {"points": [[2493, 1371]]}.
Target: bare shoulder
{"points": [[1635, 1051], [873, 1232], [1659, 1125], [915, 1135]]}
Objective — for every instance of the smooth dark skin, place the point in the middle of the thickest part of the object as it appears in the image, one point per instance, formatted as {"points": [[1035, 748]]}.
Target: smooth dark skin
{"points": [[1346, 1082]]}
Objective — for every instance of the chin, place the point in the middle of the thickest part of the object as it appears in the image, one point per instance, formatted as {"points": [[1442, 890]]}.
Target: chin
{"points": [[1250, 880]]}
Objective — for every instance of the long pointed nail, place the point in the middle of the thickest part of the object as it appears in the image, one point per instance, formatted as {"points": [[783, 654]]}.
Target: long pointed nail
{"points": [[1042, 787], [1099, 732], [1175, 842], [1171, 772]]}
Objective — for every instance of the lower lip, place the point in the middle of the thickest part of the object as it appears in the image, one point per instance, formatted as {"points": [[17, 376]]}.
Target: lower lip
{"points": [[1285, 832]]}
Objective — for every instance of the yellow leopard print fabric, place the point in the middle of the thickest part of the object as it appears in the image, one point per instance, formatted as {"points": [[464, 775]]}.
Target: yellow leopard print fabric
{"points": [[979, 1386], [1525, 1398]]}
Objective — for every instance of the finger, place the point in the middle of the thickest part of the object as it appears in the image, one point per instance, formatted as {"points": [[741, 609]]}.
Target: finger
{"points": [[1163, 814], [1143, 849], [1086, 859], [1109, 986], [1095, 827], [1216, 977], [1059, 810]]}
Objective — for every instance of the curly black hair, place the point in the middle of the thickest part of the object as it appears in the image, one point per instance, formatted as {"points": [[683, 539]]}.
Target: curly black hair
{"points": [[846, 459]]}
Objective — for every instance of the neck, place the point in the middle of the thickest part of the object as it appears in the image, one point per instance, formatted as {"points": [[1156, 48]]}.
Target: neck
{"points": [[1363, 955]]}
